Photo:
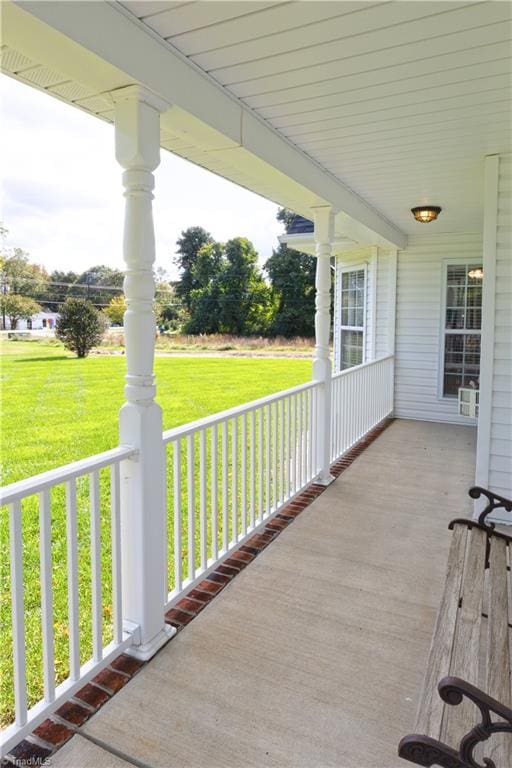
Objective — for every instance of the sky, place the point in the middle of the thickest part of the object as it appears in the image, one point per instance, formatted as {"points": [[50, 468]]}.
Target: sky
{"points": [[62, 196]]}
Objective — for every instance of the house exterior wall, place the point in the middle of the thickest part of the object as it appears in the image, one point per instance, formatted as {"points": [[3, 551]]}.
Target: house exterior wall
{"points": [[49, 318], [494, 449], [419, 340], [500, 459]]}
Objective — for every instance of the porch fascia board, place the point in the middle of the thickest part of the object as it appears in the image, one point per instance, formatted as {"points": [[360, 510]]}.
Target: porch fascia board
{"points": [[66, 36]]}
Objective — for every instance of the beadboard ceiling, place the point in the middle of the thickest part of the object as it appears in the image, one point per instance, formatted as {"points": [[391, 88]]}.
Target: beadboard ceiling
{"points": [[399, 100]]}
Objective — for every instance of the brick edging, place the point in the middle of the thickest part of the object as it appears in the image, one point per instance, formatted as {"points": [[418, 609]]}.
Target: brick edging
{"points": [[59, 727]]}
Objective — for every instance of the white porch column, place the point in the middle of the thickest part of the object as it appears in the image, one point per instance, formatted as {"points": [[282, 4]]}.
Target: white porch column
{"points": [[322, 368], [143, 523]]}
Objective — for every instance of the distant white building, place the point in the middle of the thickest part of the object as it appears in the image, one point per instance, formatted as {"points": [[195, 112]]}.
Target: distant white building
{"points": [[38, 322]]}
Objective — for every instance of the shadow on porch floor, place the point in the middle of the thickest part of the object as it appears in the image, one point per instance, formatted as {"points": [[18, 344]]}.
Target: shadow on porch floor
{"points": [[313, 656]]}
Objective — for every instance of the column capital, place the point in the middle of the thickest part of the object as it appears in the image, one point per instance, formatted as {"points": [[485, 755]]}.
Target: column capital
{"points": [[141, 95], [323, 217], [137, 127]]}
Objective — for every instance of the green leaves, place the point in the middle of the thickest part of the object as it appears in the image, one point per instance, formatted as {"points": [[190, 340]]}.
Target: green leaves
{"points": [[80, 326]]}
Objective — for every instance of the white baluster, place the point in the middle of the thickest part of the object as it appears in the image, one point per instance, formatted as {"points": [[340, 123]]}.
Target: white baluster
{"points": [[115, 525], [45, 554], [214, 493], [268, 469], [234, 480], [97, 610], [243, 474], [18, 613], [72, 568], [178, 570], [225, 527], [281, 451], [274, 456], [202, 499], [191, 507], [260, 465], [252, 441]]}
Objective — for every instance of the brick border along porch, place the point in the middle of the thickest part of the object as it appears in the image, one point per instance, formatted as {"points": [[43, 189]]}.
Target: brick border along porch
{"points": [[48, 737]]}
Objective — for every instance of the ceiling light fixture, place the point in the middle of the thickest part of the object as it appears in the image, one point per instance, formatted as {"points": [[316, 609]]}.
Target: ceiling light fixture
{"points": [[426, 213]]}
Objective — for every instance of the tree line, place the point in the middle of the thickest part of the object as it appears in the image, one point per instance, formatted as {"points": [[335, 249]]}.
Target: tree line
{"points": [[221, 288]]}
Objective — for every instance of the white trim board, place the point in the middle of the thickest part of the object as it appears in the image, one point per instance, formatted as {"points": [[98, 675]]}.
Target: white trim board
{"points": [[488, 318]]}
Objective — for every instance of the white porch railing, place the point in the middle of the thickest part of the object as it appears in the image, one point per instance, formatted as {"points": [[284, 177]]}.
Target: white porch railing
{"points": [[230, 472], [360, 398], [226, 476], [64, 509]]}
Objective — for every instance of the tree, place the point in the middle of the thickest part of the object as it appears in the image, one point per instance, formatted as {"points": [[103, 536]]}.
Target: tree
{"points": [[204, 300], [189, 245], [18, 276], [98, 285], [17, 307], [243, 292], [287, 217], [58, 289], [80, 326], [116, 309], [292, 276]]}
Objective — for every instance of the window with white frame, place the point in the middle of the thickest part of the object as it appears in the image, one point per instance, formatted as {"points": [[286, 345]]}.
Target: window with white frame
{"points": [[353, 306], [462, 327]]}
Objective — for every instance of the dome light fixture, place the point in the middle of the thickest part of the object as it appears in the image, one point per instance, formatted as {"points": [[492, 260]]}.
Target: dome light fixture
{"points": [[426, 213]]}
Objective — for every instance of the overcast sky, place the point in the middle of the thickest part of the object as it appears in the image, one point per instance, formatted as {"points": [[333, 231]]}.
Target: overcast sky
{"points": [[62, 197]]}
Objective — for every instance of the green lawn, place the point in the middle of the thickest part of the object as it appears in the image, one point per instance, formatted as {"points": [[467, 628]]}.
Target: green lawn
{"points": [[56, 409]]}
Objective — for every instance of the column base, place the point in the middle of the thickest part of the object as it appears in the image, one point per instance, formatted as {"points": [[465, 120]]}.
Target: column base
{"points": [[147, 650], [324, 478]]}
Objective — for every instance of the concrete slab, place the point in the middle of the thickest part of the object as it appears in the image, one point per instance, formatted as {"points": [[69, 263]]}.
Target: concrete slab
{"points": [[82, 753], [314, 655]]}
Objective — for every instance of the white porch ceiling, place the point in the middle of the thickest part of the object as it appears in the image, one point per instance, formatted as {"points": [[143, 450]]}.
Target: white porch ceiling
{"points": [[397, 102]]}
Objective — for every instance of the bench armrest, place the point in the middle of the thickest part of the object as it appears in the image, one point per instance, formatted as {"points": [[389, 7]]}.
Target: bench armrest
{"points": [[494, 502], [426, 751]]}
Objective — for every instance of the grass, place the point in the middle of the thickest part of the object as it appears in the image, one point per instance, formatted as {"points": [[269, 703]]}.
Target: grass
{"points": [[56, 409]]}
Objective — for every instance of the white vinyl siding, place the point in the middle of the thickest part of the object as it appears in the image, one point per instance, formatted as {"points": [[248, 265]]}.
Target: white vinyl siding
{"points": [[419, 323], [500, 458]]}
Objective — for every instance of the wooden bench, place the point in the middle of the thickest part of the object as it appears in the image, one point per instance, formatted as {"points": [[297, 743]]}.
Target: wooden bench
{"points": [[466, 697]]}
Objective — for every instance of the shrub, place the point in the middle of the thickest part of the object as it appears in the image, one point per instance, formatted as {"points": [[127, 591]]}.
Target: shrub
{"points": [[80, 326]]}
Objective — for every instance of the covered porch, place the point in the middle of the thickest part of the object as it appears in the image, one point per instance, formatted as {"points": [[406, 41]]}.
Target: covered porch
{"points": [[314, 654]]}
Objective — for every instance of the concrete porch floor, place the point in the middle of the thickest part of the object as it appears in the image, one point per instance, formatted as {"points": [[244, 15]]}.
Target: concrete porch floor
{"points": [[314, 655]]}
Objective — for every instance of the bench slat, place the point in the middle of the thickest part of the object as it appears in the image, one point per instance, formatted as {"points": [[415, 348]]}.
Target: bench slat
{"points": [[498, 650], [430, 711], [460, 719]]}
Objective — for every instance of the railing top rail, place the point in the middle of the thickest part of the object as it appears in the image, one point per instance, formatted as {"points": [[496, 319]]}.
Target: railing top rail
{"points": [[37, 483], [217, 418], [355, 368]]}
